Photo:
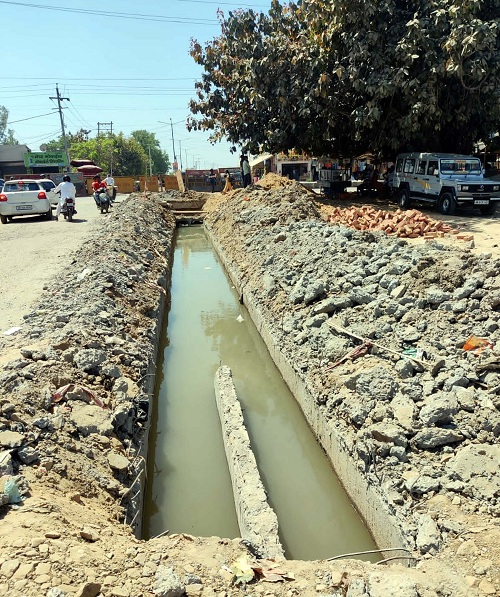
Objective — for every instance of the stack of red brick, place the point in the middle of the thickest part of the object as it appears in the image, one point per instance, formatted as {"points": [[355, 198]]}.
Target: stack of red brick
{"points": [[404, 224]]}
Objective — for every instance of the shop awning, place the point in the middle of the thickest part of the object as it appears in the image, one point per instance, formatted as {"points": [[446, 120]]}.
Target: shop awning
{"points": [[259, 159]]}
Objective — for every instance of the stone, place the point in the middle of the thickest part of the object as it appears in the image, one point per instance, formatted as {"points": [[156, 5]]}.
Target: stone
{"points": [[23, 570], [90, 418], [468, 548], [357, 588], [119, 592], [118, 462], [438, 409], [167, 583], [88, 589], [434, 437], [388, 432], [478, 464], [43, 568], [27, 454], [487, 588], [89, 359], [11, 439], [89, 534], [403, 409], [417, 483], [428, 535], [6, 464], [9, 567]]}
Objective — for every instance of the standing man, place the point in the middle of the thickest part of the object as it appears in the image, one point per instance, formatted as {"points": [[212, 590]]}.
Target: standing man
{"points": [[245, 170], [212, 179], [66, 190]]}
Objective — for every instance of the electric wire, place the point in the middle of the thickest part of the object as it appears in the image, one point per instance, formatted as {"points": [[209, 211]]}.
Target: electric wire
{"points": [[116, 15], [30, 118]]}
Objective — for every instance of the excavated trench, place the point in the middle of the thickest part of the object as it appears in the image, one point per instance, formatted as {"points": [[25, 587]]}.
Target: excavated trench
{"points": [[189, 481]]}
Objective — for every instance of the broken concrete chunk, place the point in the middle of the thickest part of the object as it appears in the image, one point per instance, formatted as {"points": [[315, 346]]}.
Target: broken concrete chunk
{"points": [[118, 462], [11, 439], [89, 418]]}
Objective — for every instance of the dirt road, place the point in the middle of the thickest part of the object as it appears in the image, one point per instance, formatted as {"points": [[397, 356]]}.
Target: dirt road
{"points": [[35, 250]]}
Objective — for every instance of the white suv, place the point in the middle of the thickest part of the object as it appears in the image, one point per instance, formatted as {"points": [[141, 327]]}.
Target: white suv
{"points": [[445, 180], [23, 198]]}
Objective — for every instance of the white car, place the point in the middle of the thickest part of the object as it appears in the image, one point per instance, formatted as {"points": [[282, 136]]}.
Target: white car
{"points": [[49, 186], [23, 198]]}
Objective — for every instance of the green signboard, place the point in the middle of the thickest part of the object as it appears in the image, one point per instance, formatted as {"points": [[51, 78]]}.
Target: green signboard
{"points": [[34, 159]]}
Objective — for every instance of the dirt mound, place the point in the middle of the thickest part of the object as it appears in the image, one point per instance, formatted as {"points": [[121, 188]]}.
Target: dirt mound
{"points": [[274, 181]]}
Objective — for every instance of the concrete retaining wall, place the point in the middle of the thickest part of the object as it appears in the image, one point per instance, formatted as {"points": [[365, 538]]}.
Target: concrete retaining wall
{"points": [[257, 520], [367, 497]]}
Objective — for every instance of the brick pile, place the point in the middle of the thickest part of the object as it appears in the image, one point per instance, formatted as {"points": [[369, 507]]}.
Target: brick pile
{"points": [[403, 224]]}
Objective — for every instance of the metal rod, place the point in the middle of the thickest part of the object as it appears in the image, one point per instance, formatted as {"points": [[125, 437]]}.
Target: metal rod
{"points": [[362, 553]]}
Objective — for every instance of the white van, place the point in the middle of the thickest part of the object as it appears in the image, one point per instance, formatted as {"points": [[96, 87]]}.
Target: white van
{"points": [[445, 180]]}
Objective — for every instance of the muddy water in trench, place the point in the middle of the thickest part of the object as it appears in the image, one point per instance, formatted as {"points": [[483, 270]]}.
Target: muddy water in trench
{"points": [[189, 488]]}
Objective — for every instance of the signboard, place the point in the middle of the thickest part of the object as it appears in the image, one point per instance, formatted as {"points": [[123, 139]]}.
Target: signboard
{"points": [[35, 159]]}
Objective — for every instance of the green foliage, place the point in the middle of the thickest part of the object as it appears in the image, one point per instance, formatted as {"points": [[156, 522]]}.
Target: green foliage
{"points": [[160, 162], [124, 156], [6, 135], [337, 77]]}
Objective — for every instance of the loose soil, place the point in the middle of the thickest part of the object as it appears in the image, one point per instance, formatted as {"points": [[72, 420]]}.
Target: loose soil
{"points": [[91, 322]]}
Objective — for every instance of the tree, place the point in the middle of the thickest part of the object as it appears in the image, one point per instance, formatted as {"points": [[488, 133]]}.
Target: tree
{"points": [[6, 135], [160, 163], [337, 77], [58, 144], [117, 153]]}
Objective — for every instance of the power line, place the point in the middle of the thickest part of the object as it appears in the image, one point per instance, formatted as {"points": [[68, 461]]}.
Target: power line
{"points": [[5, 78], [30, 118], [117, 15]]}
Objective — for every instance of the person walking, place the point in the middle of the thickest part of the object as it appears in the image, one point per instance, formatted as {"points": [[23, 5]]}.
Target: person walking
{"points": [[229, 183], [66, 190]]}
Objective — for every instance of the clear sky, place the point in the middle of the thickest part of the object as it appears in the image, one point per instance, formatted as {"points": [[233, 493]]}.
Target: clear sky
{"points": [[120, 61]]}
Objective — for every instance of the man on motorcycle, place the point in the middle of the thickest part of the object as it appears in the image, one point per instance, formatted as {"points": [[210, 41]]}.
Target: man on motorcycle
{"points": [[66, 190], [98, 186]]}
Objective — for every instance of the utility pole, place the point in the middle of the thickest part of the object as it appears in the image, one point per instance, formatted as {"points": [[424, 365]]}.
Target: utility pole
{"points": [[59, 98], [180, 154], [173, 143], [107, 126], [150, 171]]}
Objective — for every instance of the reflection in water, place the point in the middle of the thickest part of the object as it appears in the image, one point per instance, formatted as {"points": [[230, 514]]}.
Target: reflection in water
{"points": [[190, 491]]}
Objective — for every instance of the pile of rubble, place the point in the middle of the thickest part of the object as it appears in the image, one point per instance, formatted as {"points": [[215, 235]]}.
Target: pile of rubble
{"points": [[420, 412]]}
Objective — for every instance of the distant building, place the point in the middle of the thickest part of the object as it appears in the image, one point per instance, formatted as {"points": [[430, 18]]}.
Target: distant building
{"points": [[12, 160]]}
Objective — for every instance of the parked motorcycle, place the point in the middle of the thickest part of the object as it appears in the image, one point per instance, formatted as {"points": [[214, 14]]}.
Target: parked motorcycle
{"points": [[68, 209]]}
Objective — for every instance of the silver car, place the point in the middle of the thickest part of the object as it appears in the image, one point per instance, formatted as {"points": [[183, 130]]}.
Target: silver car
{"points": [[23, 198]]}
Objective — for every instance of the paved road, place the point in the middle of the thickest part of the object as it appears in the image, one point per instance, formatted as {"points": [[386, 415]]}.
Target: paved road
{"points": [[33, 250]]}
